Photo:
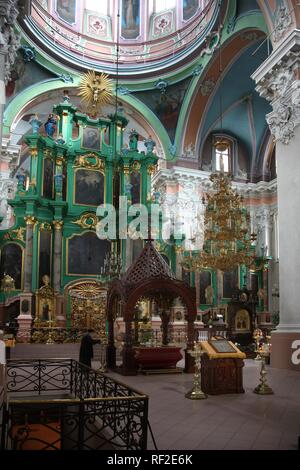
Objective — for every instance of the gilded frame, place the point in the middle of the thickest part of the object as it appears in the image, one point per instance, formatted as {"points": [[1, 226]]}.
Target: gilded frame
{"points": [[67, 255], [74, 185]]}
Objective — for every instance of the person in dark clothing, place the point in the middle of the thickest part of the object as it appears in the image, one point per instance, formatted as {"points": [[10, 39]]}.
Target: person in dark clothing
{"points": [[86, 352]]}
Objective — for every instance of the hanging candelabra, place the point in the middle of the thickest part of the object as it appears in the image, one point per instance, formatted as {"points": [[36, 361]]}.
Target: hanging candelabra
{"points": [[227, 241], [112, 265]]}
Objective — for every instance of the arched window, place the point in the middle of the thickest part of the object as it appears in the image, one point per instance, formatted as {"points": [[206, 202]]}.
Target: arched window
{"points": [[162, 5], [98, 7], [222, 157]]}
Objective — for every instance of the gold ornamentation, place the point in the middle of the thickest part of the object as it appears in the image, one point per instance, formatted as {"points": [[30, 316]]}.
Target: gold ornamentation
{"points": [[88, 304], [48, 153], [89, 160], [17, 234], [8, 283], [196, 393], [45, 226], [151, 169], [95, 90], [89, 220], [60, 161], [263, 388], [34, 153], [46, 304], [58, 224], [227, 242], [136, 166], [30, 219], [126, 170]]}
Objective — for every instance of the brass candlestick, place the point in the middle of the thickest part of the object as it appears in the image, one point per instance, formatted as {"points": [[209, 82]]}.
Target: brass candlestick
{"points": [[263, 388], [50, 339], [196, 393], [257, 335]]}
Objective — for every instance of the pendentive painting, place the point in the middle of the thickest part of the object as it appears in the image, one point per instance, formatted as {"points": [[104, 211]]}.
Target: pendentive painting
{"points": [[89, 188], [91, 138], [66, 10], [130, 24], [86, 254], [48, 175], [190, 8]]}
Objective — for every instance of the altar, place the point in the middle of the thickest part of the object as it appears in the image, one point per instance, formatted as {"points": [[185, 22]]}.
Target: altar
{"points": [[221, 368], [157, 359]]}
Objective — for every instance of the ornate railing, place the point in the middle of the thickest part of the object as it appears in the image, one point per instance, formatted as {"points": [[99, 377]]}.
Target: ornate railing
{"points": [[86, 409]]}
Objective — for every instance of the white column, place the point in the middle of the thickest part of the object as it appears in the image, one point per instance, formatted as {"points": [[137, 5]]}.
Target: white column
{"points": [[278, 80]]}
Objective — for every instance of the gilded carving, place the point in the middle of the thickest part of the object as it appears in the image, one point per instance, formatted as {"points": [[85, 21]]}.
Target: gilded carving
{"points": [[58, 224], [17, 234], [8, 283], [88, 220], [45, 226], [30, 219], [90, 161], [88, 304], [136, 166], [151, 170]]}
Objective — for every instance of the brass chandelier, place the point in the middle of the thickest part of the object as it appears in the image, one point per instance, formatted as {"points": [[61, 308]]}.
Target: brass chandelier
{"points": [[227, 241]]}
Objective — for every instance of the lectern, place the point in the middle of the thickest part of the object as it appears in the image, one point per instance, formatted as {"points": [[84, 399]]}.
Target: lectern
{"points": [[221, 367]]}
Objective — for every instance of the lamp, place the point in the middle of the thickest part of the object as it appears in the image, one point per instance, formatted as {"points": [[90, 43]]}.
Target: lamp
{"points": [[112, 265], [227, 242]]}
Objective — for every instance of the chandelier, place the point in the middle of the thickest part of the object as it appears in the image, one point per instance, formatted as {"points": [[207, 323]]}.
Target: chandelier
{"points": [[112, 265], [227, 242]]}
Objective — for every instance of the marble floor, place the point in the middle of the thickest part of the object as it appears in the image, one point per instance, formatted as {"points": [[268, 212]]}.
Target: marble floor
{"points": [[245, 421]]}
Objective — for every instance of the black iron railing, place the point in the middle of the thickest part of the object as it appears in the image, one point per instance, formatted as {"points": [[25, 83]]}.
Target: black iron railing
{"points": [[61, 404]]}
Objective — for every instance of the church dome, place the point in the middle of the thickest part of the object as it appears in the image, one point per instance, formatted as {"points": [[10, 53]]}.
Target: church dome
{"points": [[142, 36]]}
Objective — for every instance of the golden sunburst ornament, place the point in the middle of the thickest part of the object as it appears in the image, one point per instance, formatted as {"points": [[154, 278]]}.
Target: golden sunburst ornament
{"points": [[95, 90]]}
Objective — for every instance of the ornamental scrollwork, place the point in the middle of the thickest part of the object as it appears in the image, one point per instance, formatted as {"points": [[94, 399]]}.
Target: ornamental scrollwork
{"points": [[90, 161], [89, 220]]}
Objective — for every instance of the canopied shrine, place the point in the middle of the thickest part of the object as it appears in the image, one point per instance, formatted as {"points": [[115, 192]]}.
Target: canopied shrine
{"points": [[149, 195]]}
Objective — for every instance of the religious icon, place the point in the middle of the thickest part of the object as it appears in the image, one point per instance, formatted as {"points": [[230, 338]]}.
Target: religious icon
{"points": [[66, 10], [190, 8], [130, 19], [48, 178], [242, 320], [89, 187], [45, 312], [91, 138]]}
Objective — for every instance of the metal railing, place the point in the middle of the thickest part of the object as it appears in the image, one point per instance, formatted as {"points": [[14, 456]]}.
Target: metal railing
{"points": [[61, 404]]}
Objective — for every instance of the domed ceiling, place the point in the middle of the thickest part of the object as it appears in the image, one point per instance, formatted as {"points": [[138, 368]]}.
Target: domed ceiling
{"points": [[138, 36]]}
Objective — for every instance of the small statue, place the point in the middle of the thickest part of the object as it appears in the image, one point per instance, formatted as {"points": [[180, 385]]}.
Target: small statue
{"points": [[66, 98], [133, 139], [50, 126], [7, 283], [149, 144], [35, 123], [21, 177], [60, 140]]}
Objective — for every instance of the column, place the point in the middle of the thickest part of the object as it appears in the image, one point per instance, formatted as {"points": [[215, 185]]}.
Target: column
{"points": [[30, 220], [278, 80], [58, 225]]}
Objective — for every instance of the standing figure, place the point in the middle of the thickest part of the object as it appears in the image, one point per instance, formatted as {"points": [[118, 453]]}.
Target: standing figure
{"points": [[86, 352], [50, 125]]}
